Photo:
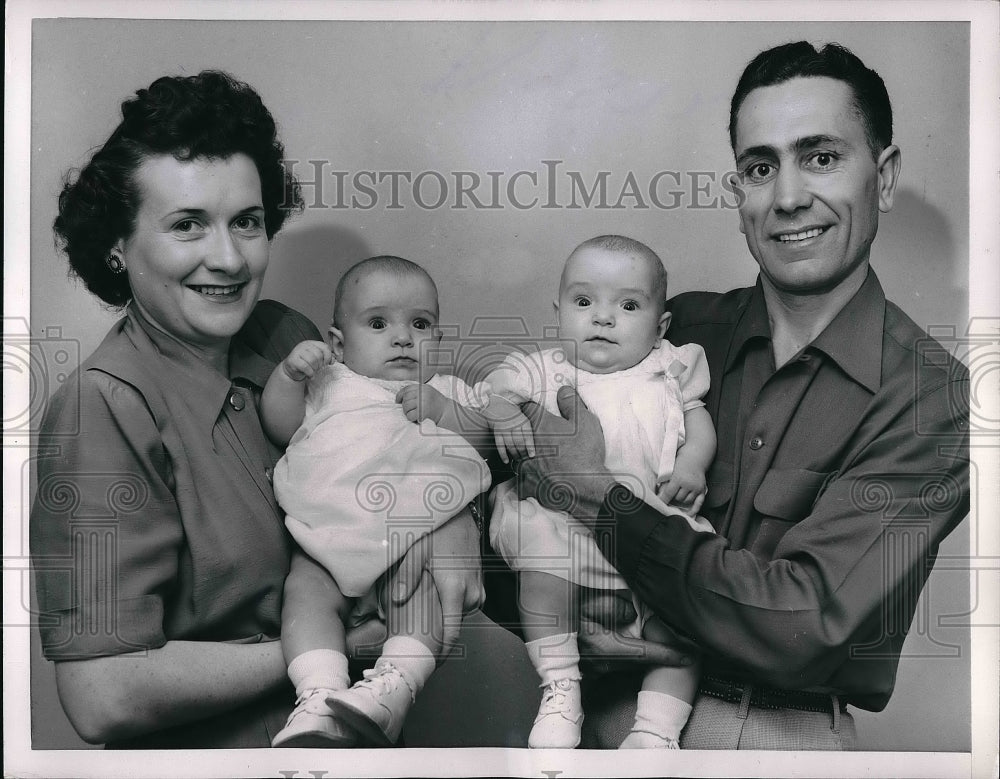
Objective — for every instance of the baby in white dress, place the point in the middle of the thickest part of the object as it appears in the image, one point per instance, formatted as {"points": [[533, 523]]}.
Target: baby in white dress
{"points": [[375, 460], [660, 441]]}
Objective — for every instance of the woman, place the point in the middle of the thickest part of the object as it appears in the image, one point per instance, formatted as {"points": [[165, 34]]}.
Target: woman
{"points": [[160, 553]]}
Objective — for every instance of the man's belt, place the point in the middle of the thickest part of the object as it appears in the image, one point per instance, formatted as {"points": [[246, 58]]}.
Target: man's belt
{"points": [[767, 698]]}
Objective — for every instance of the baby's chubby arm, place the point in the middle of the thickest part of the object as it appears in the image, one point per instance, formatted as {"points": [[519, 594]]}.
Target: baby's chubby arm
{"points": [[283, 403], [687, 486], [512, 431], [422, 401]]}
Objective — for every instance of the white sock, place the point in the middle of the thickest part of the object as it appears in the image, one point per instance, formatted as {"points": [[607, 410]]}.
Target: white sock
{"points": [[324, 669], [555, 657], [411, 657], [661, 714]]}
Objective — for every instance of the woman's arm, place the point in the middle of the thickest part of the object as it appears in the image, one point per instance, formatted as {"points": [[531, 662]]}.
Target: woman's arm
{"points": [[116, 697]]}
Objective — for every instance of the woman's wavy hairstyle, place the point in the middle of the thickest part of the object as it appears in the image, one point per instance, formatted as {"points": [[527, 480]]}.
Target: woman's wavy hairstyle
{"points": [[211, 115]]}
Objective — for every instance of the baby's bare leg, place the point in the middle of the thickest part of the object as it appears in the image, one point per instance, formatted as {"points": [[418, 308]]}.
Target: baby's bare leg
{"points": [[313, 609], [665, 700]]}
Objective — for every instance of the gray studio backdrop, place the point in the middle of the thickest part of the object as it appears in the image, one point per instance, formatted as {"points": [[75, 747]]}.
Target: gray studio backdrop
{"points": [[486, 151]]}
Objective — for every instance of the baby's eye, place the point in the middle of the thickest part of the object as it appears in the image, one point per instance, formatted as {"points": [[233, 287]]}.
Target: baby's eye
{"points": [[630, 305], [582, 302], [421, 324], [377, 323]]}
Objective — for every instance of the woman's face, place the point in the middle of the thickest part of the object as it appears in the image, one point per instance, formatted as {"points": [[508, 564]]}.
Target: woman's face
{"points": [[197, 256]]}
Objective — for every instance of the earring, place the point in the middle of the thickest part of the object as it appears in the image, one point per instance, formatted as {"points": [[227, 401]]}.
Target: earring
{"points": [[116, 263]]}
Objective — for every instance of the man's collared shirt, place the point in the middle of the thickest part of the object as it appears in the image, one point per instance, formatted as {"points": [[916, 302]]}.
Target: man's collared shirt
{"points": [[836, 478]]}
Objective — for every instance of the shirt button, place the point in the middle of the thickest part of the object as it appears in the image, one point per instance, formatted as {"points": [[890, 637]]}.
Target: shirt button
{"points": [[756, 443], [236, 401]]}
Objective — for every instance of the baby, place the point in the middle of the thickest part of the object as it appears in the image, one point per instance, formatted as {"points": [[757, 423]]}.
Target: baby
{"points": [[360, 483], [660, 441]]}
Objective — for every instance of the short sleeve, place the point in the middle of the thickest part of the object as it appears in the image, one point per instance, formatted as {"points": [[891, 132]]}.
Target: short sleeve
{"points": [[694, 378], [105, 530], [519, 378]]}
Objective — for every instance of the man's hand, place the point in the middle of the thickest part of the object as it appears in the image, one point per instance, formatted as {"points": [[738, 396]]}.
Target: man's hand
{"points": [[420, 402], [306, 359], [686, 487], [604, 649], [511, 429], [567, 472], [451, 555]]}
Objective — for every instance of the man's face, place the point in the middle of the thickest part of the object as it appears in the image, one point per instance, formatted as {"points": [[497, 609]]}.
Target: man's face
{"points": [[812, 189]]}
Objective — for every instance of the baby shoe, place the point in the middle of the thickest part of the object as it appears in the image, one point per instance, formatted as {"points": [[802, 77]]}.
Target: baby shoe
{"points": [[312, 724], [377, 705], [560, 716], [641, 739]]}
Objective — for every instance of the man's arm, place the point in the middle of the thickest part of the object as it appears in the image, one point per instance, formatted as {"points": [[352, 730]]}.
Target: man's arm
{"points": [[789, 621]]}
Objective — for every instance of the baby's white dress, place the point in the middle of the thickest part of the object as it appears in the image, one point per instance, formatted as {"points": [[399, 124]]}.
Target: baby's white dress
{"points": [[360, 483], [641, 410]]}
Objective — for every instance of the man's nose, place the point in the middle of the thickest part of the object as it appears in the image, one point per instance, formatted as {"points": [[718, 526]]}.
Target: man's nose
{"points": [[790, 190]]}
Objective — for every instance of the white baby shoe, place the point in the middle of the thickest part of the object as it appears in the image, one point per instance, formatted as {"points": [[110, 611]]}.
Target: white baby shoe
{"points": [[312, 725], [376, 706], [641, 739], [560, 716]]}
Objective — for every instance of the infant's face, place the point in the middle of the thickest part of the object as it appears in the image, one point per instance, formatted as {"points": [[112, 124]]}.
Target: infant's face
{"points": [[606, 308], [384, 320]]}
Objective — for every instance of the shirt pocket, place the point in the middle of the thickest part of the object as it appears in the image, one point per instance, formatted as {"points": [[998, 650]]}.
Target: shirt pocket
{"points": [[784, 497], [720, 485]]}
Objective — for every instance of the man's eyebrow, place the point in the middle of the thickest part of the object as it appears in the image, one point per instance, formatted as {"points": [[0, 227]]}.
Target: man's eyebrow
{"points": [[813, 141], [804, 143]]}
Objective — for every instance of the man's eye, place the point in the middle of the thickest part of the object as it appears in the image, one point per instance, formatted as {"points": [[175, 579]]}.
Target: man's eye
{"points": [[630, 305], [823, 159], [377, 323], [582, 302], [758, 171]]}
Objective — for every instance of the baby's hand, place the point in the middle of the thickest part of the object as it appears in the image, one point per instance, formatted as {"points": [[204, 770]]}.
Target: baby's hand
{"points": [[420, 402], [306, 359], [512, 431], [686, 487]]}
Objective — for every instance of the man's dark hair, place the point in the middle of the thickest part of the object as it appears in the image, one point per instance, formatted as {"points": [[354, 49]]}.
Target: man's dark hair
{"points": [[802, 60]]}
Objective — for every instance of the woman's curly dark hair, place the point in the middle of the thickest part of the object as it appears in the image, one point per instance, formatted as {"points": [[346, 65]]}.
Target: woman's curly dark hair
{"points": [[211, 115]]}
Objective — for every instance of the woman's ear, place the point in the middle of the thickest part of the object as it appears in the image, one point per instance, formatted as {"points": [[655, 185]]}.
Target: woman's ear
{"points": [[335, 340], [663, 324]]}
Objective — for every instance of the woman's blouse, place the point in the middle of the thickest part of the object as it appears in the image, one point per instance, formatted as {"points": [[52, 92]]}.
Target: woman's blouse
{"points": [[154, 517]]}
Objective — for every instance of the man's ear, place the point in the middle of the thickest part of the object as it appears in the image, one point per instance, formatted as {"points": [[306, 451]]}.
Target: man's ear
{"points": [[663, 324], [335, 340], [889, 163]]}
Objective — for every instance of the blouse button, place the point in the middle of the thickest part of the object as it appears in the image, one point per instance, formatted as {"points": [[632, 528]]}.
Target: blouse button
{"points": [[756, 443], [236, 401]]}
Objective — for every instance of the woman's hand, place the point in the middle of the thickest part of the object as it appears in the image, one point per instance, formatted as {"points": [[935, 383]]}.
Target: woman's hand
{"points": [[604, 649], [451, 554], [567, 472]]}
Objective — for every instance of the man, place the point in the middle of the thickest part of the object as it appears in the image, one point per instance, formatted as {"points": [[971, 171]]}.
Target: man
{"points": [[842, 459]]}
